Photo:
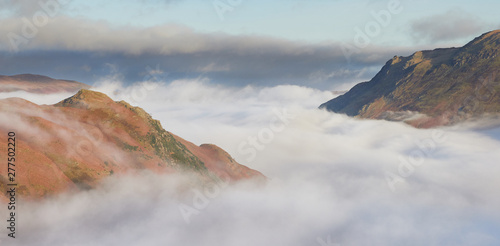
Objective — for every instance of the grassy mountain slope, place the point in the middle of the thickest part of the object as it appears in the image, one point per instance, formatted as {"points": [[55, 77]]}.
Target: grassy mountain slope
{"points": [[446, 85], [81, 140]]}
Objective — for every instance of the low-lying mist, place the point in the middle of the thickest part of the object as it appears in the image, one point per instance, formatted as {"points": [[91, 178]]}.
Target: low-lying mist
{"points": [[333, 180]]}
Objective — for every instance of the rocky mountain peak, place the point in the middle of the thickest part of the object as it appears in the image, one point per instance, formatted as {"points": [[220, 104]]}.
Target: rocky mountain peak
{"points": [[445, 85]]}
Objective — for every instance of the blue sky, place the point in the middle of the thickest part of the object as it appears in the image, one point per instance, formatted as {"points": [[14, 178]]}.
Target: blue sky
{"points": [[254, 43], [312, 21]]}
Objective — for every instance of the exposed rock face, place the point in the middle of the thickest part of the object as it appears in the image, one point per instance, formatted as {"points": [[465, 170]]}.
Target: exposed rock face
{"points": [[81, 140], [38, 84], [442, 86]]}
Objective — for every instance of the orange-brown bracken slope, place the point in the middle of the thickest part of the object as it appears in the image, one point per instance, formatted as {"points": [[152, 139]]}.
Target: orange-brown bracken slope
{"points": [[81, 140]]}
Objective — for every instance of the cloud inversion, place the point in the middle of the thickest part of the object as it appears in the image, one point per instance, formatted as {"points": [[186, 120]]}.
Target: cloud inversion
{"points": [[328, 179]]}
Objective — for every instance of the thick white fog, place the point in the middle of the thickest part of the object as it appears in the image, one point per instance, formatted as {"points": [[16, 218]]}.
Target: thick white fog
{"points": [[334, 180]]}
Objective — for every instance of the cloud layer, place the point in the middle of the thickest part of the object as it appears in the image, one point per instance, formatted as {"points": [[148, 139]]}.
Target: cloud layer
{"points": [[452, 25], [80, 41], [84, 50], [329, 179]]}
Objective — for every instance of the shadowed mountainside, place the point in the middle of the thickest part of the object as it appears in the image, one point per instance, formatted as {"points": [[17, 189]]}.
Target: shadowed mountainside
{"points": [[431, 88]]}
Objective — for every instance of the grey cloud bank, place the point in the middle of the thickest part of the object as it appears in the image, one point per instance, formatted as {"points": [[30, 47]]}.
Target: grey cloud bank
{"points": [[88, 49], [452, 25]]}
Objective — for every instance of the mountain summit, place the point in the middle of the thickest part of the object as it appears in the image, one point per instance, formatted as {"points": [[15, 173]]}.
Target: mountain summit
{"points": [[430, 88], [79, 141]]}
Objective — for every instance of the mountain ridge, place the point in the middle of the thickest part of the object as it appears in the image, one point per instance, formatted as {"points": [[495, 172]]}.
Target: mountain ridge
{"points": [[79, 141], [441, 86], [40, 84]]}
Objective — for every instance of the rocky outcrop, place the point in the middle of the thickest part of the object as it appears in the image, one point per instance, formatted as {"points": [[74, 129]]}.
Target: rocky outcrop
{"points": [[432, 88], [77, 142]]}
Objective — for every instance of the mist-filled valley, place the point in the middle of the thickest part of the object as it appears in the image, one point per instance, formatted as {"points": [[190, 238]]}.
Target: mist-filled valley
{"points": [[332, 179]]}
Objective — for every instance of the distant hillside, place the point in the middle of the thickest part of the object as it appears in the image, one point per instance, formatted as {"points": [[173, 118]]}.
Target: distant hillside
{"points": [[431, 88], [81, 140], [38, 84]]}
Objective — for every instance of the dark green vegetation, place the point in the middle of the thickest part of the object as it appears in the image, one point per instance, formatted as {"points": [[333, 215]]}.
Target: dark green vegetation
{"points": [[172, 151], [138, 126]]}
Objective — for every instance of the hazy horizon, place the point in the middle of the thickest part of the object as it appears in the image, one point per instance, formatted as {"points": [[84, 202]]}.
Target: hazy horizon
{"points": [[319, 44]]}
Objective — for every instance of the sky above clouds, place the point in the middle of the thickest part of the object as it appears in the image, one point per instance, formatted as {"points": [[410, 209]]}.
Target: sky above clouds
{"points": [[313, 21], [313, 43]]}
